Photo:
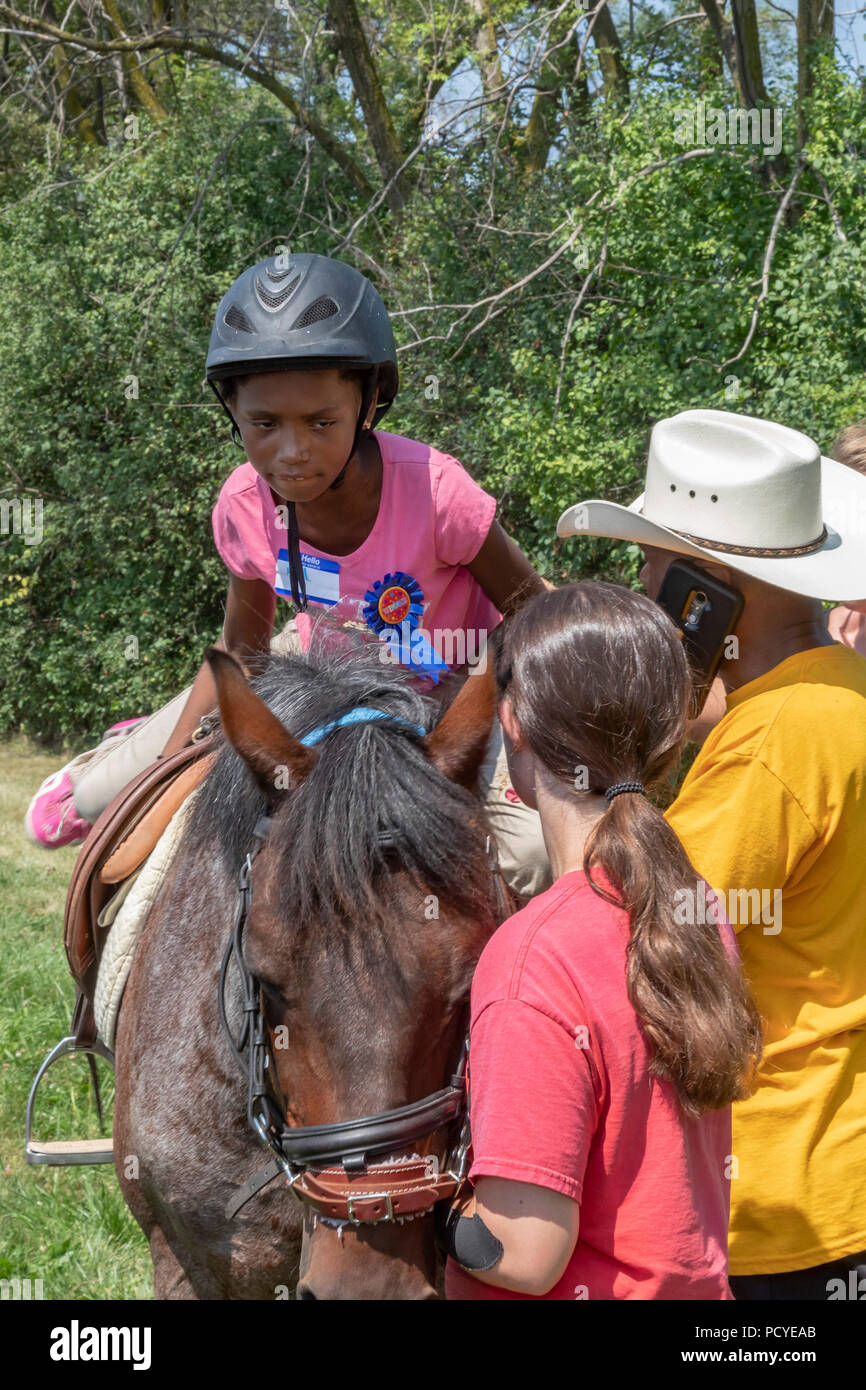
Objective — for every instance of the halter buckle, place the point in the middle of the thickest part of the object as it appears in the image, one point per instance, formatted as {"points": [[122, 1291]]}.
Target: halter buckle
{"points": [[370, 1197], [257, 1123]]}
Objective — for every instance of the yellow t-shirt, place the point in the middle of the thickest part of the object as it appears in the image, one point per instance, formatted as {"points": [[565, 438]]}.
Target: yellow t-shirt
{"points": [[776, 800]]}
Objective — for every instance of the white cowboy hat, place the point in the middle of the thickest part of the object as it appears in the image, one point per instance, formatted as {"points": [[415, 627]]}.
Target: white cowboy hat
{"points": [[749, 494]]}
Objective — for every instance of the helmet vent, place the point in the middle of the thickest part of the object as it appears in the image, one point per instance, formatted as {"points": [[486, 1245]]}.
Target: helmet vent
{"points": [[275, 301], [278, 275], [236, 318], [322, 308]]}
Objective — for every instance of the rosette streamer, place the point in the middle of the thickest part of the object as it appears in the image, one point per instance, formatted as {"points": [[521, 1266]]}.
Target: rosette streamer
{"points": [[394, 609]]}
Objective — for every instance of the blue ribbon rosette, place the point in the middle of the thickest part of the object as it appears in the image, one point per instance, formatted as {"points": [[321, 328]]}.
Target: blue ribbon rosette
{"points": [[394, 607]]}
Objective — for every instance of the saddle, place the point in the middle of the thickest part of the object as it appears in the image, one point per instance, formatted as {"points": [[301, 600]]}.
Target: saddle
{"points": [[118, 843]]}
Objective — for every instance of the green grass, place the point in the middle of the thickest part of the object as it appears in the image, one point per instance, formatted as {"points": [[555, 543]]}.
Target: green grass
{"points": [[69, 1227]]}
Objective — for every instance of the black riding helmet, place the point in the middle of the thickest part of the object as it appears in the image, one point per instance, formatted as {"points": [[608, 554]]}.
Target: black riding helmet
{"points": [[302, 312]]}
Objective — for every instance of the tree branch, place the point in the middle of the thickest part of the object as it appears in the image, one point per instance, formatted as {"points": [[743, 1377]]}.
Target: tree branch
{"points": [[724, 33], [144, 93], [486, 49], [596, 273], [343, 16], [610, 54], [556, 72], [749, 49], [837, 221], [70, 101], [183, 43], [768, 261]]}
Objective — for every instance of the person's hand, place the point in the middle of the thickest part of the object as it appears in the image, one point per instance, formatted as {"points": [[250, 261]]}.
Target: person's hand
{"points": [[715, 708]]}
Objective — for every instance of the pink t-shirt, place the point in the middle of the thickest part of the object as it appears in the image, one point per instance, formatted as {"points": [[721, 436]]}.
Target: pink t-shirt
{"points": [[433, 519], [561, 1096]]}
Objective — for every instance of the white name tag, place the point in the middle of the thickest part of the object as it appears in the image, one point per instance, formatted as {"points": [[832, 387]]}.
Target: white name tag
{"points": [[322, 578]]}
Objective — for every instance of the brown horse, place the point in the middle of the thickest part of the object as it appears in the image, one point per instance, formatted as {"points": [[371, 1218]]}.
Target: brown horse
{"points": [[372, 899]]}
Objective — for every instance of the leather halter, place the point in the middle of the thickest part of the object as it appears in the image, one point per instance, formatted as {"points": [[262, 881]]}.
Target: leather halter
{"points": [[326, 1166]]}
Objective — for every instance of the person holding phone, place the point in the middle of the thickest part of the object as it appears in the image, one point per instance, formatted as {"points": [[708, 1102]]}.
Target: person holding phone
{"points": [[846, 622], [773, 814]]}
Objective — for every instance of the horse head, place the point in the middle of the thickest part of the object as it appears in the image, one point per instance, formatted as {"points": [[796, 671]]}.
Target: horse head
{"points": [[372, 898]]}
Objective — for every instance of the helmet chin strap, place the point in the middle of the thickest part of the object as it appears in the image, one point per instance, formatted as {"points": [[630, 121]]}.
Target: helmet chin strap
{"points": [[297, 579], [360, 431]]}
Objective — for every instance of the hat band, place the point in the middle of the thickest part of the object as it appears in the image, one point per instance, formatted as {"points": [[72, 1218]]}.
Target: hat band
{"points": [[779, 552]]}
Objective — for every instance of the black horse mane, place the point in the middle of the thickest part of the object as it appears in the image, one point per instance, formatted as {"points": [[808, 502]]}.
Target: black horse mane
{"points": [[370, 780]]}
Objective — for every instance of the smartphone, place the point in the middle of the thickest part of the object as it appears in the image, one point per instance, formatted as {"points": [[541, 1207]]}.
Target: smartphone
{"points": [[705, 612]]}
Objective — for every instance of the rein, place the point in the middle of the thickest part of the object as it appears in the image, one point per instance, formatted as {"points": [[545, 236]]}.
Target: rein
{"points": [[327, 1166]]}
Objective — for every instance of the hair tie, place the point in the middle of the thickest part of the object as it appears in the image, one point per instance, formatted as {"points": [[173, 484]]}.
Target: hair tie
{"points": [[624, 787]]}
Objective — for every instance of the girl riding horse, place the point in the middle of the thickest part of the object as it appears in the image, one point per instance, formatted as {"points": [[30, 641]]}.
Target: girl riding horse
{"points": [[335, 516]]}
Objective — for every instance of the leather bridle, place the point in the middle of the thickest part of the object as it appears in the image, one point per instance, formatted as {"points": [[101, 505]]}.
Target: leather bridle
{"points": [[327, 1166]]}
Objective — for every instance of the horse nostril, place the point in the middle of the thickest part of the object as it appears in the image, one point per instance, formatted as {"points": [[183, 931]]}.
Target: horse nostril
{"points": [[304, 1291]]}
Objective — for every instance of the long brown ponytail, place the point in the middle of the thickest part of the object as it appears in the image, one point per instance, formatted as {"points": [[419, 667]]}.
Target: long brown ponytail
{"points": [[599, 683]]}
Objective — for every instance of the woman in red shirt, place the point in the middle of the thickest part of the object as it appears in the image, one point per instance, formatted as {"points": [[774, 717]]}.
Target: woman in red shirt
{"points": [[611, 1028]]}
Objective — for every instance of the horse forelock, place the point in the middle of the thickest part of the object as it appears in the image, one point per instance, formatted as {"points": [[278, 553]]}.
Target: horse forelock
{"points": [[369, 781]]}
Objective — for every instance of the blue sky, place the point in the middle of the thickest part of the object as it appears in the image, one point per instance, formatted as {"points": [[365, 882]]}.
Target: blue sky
{"points": [[778, 45]]}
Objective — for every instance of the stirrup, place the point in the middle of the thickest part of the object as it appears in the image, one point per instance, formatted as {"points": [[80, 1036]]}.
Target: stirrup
{"points": [[60, 1152]]}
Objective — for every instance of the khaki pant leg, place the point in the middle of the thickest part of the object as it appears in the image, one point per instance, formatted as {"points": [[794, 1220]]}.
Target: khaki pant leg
{"points": [[287, 640], [516, 827], [106, 769], [117, 760]]}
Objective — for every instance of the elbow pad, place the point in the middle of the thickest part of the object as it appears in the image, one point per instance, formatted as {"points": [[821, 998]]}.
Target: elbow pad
{"points": [[466, 1239]]}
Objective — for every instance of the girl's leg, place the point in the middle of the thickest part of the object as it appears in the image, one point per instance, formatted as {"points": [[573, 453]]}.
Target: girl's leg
{"points": [[522, 856], [117, 760], [101, 774], [287, 640]]}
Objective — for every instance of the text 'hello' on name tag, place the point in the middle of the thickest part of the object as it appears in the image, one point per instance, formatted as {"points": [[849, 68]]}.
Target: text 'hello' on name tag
{"points": [[322, 578]]}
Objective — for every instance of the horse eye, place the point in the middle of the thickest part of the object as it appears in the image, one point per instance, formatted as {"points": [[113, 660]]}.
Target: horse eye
{"points": [[278, 995], [270, 988]]}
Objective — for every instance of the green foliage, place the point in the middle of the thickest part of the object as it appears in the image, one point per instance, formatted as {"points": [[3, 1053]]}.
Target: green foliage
{"points": [[116, 273], [105, 314]]}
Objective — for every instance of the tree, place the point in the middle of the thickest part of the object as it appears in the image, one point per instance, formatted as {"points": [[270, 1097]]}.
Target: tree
{"points": [[355, 50], [562, 272], [815, 31]]}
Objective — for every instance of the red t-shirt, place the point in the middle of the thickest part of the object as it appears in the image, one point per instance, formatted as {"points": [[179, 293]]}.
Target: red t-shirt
{"points": [[561, 1096]]}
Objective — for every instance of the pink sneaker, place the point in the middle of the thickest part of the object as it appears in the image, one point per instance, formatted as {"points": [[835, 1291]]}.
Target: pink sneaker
{"points": [[51, 819]]}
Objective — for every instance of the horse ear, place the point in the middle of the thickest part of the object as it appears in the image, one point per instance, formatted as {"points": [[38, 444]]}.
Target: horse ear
{"points": [[456, 746], [278, 760]]}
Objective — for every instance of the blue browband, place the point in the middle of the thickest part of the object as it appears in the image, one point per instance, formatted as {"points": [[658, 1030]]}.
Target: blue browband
{"points": [[361, 715]]}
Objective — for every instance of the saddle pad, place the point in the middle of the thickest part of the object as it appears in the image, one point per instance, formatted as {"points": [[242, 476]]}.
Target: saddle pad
{"points": [[87, 894], [114, 904], [117, 955]]}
